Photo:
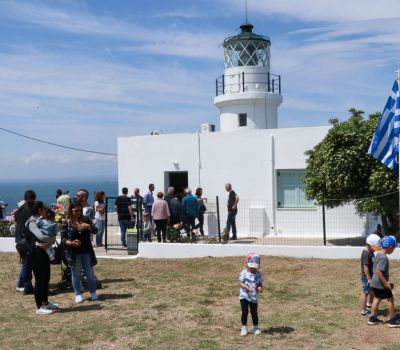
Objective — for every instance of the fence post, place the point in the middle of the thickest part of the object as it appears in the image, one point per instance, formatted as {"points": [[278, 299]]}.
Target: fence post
{"points": [[139, 216], [323, 221], [106, 225], [242, 81], [218, 220]]}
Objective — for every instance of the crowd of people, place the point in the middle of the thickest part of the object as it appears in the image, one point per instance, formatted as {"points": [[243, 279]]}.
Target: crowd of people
{"points": [[35, 235], [174, 209]]}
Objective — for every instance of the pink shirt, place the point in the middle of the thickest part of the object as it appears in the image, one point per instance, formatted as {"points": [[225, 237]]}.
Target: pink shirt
{"points": [[160, 210]]}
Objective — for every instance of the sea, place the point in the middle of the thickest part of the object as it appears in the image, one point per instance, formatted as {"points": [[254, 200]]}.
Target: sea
{"points": [[13, 192]]}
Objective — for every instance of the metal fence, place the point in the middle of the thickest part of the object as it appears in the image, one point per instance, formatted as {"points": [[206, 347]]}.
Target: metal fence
{"points": [[261, 222]]}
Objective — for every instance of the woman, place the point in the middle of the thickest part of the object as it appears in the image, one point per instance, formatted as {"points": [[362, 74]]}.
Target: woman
{"points": [[75, 235], [99, 218], [202, 209], [40, 261], [160, 214]]}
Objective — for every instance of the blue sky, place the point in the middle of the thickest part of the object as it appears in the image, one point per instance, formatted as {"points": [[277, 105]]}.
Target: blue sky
{"points": [[82, 73]]}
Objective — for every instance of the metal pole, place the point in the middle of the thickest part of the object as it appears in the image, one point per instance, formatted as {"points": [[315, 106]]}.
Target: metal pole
{"points": [[106, 225], [269, 84], [216, 87], [218, 220], [243, 81], [323, 221], [223, 84], [280, 90]]}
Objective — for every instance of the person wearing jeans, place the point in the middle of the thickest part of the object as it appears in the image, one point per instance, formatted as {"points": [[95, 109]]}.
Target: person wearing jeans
{"points": [[99, 218], [125, 214], [75, 234], [233, 200]]}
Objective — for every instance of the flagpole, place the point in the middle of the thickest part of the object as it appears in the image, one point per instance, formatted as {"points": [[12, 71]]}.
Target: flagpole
{"points": [[398, 153]]}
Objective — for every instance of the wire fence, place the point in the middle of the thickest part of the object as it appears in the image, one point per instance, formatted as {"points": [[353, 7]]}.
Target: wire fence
{"points": [[261, 222]]}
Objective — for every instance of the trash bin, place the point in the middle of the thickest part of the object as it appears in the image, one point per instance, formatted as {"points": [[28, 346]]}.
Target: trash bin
{"points": [[132, 241]]}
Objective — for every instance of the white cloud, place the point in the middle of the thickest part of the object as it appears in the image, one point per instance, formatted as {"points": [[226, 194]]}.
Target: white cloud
{"points": [[46, 158], [321, 10], [166, 41], [101, 158]]}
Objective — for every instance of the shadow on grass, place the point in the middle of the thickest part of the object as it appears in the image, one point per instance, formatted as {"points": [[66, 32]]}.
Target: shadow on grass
{"points": [[82, 308], [117, 280], [111, 296], [278, 330]]}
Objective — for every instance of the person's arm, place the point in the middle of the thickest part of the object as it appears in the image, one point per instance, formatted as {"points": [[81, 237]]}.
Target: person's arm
{"points": [[367, 274], [32, 226], [234, 206], [246, 287], [382, 278]]}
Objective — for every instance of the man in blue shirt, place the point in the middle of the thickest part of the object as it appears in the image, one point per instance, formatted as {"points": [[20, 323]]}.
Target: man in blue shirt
{"points": [[190, 210], [148, 201]]}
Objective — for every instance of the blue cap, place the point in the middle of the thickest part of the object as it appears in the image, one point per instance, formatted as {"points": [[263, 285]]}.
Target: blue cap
{"points": [[389, 242]]}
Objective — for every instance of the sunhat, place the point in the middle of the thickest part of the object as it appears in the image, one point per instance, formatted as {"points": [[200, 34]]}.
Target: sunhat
{"points": [[389, 242], [253, 260], [374, 240]]}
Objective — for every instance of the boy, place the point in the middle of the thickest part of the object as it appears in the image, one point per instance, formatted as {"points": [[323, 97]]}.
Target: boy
{"points": [[367, 261], [380, 283], [148, 228], [49, 227]]}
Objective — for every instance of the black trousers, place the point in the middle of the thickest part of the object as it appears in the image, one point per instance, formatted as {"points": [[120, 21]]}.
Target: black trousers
{"points": [[200, 225], [41, 271], [161, 227], [245, 311]]}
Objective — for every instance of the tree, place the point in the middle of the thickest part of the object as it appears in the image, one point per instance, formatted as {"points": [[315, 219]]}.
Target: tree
{"points": [[340, 171]]}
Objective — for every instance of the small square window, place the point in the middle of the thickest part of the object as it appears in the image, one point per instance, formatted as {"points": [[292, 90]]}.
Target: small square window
{"points": [[242, 119]]}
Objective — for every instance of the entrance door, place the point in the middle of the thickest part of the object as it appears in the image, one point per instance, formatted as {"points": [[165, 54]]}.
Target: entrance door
{"points": [[178, 180]]}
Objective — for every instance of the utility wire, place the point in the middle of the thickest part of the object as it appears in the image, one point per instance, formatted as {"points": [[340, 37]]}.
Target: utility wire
{"points": [[359, 199], [58, 145]]}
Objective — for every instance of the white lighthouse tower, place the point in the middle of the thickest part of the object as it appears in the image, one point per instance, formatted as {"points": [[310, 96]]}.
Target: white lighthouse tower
{"points": [[247, 94]]}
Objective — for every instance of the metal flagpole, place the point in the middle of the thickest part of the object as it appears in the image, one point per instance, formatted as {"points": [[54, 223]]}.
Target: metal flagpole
{"points": [[398, 154]]}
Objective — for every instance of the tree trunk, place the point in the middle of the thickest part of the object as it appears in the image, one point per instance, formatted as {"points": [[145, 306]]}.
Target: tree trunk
{"points": [[390, 224]]}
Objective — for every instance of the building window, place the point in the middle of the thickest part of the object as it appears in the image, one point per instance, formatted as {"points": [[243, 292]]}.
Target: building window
{"points": [[242, 119], [291, 189]]}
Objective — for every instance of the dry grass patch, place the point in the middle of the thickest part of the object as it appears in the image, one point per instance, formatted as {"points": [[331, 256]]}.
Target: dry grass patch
{"points": [[193, 304]]}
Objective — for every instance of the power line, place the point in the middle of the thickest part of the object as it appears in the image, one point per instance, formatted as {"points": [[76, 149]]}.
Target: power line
{"points": [[360, 199], [58, 145]]}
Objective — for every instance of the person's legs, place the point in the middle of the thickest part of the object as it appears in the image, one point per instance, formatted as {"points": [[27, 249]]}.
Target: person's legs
{"points": [[201, 223], [76, 274], [254, 314], [25, 275], [391, 308], [89, 273], [41, 268], [100, 231], [233, 222], [229, 222], [163, 224], [37, 272], [245, 311], [158, 230], [123, 227]]}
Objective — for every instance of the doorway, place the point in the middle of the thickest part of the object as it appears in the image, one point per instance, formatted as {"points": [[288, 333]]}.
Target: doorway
{"points": [[177, 179]]}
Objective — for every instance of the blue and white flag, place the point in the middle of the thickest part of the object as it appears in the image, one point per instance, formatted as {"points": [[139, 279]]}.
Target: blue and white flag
{"points": [[385, 143]]}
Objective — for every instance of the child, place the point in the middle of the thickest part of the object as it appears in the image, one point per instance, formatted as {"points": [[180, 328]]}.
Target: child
{"points": [[148, 228], [250, 281], [367, 261], [48, 226], [380, 282]]}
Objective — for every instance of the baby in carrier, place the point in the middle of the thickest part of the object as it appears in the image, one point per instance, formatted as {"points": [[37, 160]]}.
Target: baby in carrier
{"points": [[49, 227]]}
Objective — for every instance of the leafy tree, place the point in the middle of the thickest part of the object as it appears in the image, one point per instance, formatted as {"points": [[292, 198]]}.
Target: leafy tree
{"points": [[340, 171]]}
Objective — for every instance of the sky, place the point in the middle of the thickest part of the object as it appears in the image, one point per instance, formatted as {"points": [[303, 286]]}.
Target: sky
{"points": [[83, 73]]}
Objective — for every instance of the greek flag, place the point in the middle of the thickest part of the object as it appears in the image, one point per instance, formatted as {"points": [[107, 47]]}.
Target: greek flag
{"points": [[385, 143]]}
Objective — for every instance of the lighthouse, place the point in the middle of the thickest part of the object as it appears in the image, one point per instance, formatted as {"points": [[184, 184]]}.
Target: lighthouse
{"points": [[248, 94]]}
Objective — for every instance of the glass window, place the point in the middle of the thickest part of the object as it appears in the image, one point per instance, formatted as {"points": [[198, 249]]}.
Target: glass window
{"points": [[242, 119], [291, 189]]}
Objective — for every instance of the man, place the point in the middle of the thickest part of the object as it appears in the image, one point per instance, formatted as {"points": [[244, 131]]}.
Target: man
{"points": [[137, 211], [170, 194], [82, 199], [24, 212], [233, 200], [148, 201], [190, 210], [125, 214], [176, 211], [3, 207]]}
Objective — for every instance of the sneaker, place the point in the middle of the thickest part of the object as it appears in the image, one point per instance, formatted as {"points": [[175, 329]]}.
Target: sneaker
{"points": [[366, 313], [78, 299], [393, 323], [28, 291], [93, 296], [373, 320], [43, 311], [20, 289], [396, 316], [368, 307], [257, 330], [243, 331], [51, 306]]}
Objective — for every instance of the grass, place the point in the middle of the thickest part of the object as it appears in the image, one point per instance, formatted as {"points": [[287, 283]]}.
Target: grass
{"points": [[193, 304]]}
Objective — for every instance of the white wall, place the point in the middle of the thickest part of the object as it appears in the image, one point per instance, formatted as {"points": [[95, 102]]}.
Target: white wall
{"points": [[247, 159]]}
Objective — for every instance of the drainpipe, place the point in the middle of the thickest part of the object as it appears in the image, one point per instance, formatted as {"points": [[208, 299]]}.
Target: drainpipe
{"points": [[273, 174], [199, 157]]}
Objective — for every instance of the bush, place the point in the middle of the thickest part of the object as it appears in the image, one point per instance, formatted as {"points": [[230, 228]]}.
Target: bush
{"points": [[5, 229]]}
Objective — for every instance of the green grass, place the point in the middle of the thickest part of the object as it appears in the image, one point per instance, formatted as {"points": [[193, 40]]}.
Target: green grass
{"points": [[193, 304]]}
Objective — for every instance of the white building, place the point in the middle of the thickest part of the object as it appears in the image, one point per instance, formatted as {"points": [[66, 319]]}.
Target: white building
{"points": [[264, 163]]}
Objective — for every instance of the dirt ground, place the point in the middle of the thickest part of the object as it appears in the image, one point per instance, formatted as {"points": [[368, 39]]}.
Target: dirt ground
{"points": [[193, 304]]}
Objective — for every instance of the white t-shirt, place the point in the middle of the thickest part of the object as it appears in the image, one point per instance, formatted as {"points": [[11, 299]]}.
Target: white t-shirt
{"points": [[99, 216]]}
